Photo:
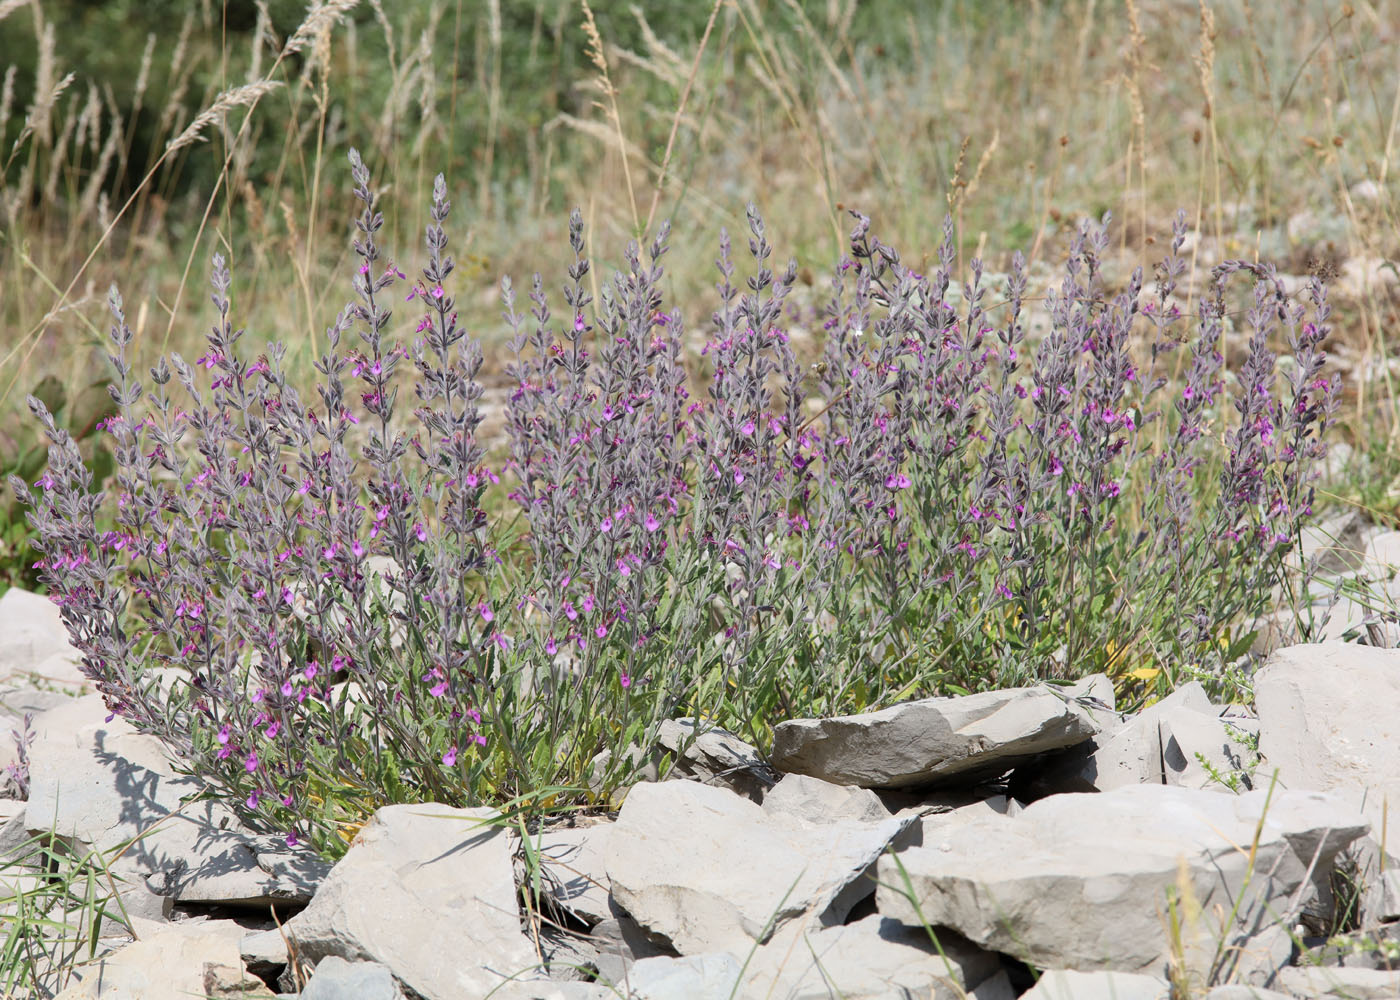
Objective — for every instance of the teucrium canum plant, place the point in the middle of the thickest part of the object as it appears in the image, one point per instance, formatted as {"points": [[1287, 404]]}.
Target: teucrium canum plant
{"points": [[314, 609]]}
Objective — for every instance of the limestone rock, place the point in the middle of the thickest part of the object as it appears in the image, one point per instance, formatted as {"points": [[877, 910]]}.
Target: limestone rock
{"points": [[871, 959], [1080, 881], [1329, 716], [1062, 984], [337, 979], [171, 960], [34, 646], [707, 870], [1129, 753], [575, 874], [716, 757], [812, 800], [1344, 984], [420, 882], [933, 741]]}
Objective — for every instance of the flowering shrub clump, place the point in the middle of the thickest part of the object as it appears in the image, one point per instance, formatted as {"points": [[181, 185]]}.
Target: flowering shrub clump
{"points": [[935, 505]]}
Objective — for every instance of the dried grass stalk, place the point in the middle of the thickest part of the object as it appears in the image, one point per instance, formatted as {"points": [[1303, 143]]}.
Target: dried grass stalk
{"points": [[239, 97]]}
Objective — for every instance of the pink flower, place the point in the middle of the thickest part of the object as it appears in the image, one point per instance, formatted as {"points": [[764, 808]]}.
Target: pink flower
{"points": [[251, 763], [550, 646], [601, 631], [588, 603], [626, 681], [897, 481], [439, 689], [450, 758], [606, 526], [486, 613], [651, 523], [747, 428]]}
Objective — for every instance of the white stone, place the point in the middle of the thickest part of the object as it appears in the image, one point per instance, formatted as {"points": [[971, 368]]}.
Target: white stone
{"points": [[575, 872], [708, 870], [419, 883], [871, 959], [1065, 984], [34, 646], [1080, 881], [169, 960], [934, 740], [811, 800], [1329, 716], [1342, 983]]}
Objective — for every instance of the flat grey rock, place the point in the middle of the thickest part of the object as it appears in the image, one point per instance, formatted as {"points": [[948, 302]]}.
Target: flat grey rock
{"points": [[712, 976], [707, 870], [935, 740], [1079, 881], [872, 959], [102, 784], [1062, 984], [1344, 984], [34, 646], [242, 870], [337, 979], [1329, 717], [1127, 752], [170, 960], [715, 756], [574, 870], [812, 800], [420, 883]]}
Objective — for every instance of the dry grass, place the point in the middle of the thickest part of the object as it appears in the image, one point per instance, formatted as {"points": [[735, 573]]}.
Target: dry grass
{"points": [[1274, 127]]}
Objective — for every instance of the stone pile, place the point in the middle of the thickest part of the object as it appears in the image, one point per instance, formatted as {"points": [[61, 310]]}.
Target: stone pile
{"points": [[1032, 842]]}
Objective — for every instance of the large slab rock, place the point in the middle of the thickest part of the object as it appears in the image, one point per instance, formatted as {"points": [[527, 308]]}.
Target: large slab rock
{"points": [[170, 960], [1343, 984], [811, 800], [1127, 752], [1329, 717], [1064, 984], [1081, 881], [575, 873], [707, 870], [337, 979], [242, 870], [871, 959], [934, 740], [102, 784], [711, 976], [34, 646], [429, 892], [715, 756]]}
